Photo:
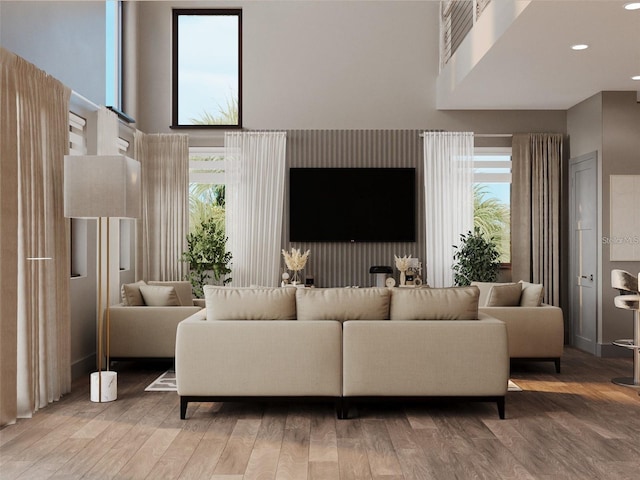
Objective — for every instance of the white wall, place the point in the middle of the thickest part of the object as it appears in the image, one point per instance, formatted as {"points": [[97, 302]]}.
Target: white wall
{"points": [[321, 65], [65, 39]]}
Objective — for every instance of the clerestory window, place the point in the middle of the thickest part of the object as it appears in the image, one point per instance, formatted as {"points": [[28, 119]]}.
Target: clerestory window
{"points": [[207, 68]]}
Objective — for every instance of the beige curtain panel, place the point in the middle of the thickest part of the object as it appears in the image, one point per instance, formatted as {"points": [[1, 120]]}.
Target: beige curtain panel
{"points": [[164, 225], [35, 366], [535, 211]]}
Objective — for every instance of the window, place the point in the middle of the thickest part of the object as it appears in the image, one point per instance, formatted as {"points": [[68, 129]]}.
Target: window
{"points": [[492, 196], [207, 69], [113, 63], [206, 187]]}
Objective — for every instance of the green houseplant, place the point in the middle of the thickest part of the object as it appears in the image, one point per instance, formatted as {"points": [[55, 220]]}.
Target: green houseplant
{"points": [[475, 259], [207, 256]]}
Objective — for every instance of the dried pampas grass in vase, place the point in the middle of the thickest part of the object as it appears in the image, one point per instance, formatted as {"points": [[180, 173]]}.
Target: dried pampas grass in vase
{"points": [[402, 264], [295, 261]]}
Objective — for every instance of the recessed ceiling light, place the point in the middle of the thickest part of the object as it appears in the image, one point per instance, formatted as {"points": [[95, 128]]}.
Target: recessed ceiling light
{"points": [[579, 46], [632, 6], [635, 77]]}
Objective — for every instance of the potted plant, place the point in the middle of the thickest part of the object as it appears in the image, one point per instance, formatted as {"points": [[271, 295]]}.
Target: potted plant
{"points": [[476, 259], [207, 256]]}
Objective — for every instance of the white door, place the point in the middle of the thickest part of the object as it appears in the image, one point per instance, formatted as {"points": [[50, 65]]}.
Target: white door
{"points": [[583, 218]]}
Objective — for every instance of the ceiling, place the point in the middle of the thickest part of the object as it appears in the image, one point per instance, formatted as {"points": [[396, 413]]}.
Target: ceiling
{"points": [[531, 65]]}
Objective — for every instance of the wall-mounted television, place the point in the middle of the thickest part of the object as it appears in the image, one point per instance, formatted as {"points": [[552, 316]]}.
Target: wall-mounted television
{"points": [[352, 205]]}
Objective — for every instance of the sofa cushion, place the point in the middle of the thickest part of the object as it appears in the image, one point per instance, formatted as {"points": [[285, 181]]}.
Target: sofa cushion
{"points": [[485, 287], [456, 303], [342, 304], [507, 295], [159, 296], [130, 293], [183, 290], [532, 294], [227, 303]]}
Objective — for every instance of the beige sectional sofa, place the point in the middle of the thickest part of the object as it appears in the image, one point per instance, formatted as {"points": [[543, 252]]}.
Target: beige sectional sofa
{"points": [[535, 330], [147, 329], [341, 344]]}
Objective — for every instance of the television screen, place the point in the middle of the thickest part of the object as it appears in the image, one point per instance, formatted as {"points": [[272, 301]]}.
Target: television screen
{"points": [[352, 205]]}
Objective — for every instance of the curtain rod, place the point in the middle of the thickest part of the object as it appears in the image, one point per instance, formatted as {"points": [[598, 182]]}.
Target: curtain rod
{"points": [[488, 135]]}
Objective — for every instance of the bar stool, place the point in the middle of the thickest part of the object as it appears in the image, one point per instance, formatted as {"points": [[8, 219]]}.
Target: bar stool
{"points": [[629, 299]]}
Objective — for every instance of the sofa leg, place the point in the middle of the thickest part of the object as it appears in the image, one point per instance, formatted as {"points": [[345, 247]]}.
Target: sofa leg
{"points": [[500, 402], [342, 409], [557, 362], [183, 408]]}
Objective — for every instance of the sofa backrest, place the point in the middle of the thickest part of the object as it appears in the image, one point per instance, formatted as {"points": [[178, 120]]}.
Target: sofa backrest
{"points": [[456, 303], [342, 304], [227, 303]]}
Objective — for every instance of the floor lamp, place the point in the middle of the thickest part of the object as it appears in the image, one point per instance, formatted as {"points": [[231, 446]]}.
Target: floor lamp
{"points": [[102, 187]]}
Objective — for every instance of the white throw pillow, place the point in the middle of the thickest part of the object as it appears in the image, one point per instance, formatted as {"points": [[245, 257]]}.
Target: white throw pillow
{"points": [[159, 296], [183, 290], [532, 294]]}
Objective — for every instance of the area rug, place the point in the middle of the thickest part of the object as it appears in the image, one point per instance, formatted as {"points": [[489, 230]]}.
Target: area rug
{"points": [[513, 387], [167, 383], [164, 383]]}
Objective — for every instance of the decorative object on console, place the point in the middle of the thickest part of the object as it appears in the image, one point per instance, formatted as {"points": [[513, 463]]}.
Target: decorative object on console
{"points": [[295, 261], [475, 259], [402, 264], [381, 272], [102, 187]]}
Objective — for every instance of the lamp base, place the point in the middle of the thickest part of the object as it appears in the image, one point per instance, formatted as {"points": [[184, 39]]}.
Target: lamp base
{"points": [[109, 386]]}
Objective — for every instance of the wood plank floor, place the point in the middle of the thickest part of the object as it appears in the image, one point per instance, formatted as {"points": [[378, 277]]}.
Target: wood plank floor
{"points": [[573, 425]]}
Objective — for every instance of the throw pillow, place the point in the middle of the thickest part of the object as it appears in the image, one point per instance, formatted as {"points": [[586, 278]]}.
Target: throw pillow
{"points": [[342, 304], [456, 303], [159, 296], [532, 294], [130, 293], [504, 295], [226, 303], [183, 290], [485, 287]]}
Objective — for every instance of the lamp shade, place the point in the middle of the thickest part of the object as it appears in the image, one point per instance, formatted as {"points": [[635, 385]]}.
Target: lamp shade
{"points": [[101, 186]]}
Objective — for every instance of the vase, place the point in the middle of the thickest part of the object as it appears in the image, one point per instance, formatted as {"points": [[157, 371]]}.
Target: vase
{"points": [[295, 278], [402, 277]]}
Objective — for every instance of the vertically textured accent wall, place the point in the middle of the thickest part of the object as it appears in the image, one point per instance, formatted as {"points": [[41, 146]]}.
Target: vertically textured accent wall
{"points": [[339, 264]]}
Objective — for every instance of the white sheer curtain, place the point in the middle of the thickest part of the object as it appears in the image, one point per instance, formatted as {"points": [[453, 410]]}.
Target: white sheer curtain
{"points": [[35, 363], [162, 230], [448, 184], [255, 170]]}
